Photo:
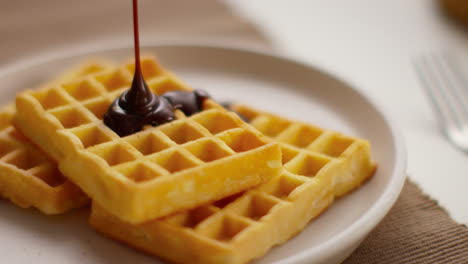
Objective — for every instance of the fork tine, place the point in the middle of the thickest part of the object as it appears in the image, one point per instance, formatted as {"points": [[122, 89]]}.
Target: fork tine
{"points": [[459, 82], [443, 110], [448, 88]]}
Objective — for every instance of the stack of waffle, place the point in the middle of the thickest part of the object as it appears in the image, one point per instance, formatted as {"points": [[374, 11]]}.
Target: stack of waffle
{"points": [[208, 188]]}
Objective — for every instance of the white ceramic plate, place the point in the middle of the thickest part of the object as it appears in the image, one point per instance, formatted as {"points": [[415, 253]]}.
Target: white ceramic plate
{"points": [[266, 81]]}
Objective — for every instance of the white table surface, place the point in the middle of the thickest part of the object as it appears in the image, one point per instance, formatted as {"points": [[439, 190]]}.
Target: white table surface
{"points": [[371, 43]]}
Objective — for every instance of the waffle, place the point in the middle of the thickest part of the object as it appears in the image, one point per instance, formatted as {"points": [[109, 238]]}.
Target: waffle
{"points": [[154, 172], [319, 165], [29, 178]]}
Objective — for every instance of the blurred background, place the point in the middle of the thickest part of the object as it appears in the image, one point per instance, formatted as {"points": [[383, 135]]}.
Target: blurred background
{"points": [[367, 42]]}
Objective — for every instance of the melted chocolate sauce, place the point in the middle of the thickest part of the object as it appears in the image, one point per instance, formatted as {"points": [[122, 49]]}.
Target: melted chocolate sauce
{"points": [[188, 102], [125, 122], [138, 106]]}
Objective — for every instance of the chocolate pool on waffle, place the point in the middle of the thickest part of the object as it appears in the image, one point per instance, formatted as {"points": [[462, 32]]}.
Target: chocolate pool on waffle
{"points": [[27, 176], [319, 165], [154, 172]]}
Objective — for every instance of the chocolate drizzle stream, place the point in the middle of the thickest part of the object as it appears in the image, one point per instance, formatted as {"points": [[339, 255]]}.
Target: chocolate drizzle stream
{"points": [[137, 106]]}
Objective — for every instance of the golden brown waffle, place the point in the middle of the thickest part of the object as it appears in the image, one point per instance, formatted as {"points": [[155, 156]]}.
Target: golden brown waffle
{"points": [[152, 173], [319, 165], [27, 177]]}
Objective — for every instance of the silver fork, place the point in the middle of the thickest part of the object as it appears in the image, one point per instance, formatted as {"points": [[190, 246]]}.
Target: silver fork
{"points": [[447, 89]]}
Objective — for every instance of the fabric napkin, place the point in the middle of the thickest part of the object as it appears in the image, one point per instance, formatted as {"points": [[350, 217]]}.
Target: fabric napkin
{"points": [[416, 230]]}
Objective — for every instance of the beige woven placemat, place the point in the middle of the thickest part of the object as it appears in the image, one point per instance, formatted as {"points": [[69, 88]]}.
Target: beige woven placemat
{"points": [[416, 230]]}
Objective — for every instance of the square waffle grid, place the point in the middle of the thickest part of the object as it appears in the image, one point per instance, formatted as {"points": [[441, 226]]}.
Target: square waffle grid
{"points": [[319, 165], [29, 178], [154, 172]]}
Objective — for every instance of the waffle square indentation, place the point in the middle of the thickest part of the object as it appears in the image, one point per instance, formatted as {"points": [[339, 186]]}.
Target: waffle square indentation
{"points": [[70, 117], [49, 98], [208, 150], [173, 161], [149, 143], [114, 80], [228, 200], [81, 90], [16, 134], [160, 86], [307, 165], [301, 136], [271, 126], [227, 228], [241, 140], [288, 154], [91, 135], [91, 69], [337, 145], [193, 217], [283, 186], [216, 122], [258, 206], [113, 153], [181, 132], [247, 112], [24, 159], [6, 147], [139, 172], [50, 175], [98, 107]]}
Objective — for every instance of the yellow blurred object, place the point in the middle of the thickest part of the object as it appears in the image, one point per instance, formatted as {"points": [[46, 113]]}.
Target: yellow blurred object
{"points": [[152, 173], [319, 165]]}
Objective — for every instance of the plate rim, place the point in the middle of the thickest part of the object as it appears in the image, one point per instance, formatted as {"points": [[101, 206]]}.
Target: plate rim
{"points": [[360, 228]]}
